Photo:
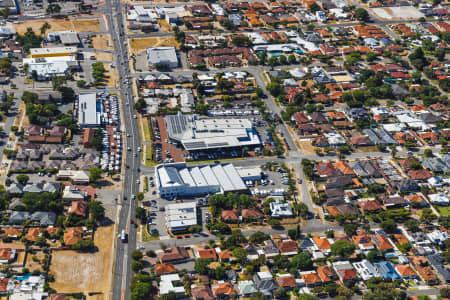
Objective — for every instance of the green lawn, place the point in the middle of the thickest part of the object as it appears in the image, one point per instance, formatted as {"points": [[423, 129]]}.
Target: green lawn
{"points": [[443, 210]]}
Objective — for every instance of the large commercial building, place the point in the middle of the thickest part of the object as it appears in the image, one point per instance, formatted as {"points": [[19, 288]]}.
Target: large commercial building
{"points": [[177, 179], [162, 55], [211, 134], [48, 67], [179, 216], [90, 110]]}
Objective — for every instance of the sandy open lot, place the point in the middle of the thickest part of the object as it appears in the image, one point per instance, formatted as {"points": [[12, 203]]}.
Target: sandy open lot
{"points": [[140, 44], [84, 272], [306, 147], [59, 24], [112, 76], [103, 56], [397, 13], [102, 42]]}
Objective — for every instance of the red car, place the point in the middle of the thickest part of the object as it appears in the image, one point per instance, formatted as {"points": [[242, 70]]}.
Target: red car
{"points": [[179, 237], [131, 221]]}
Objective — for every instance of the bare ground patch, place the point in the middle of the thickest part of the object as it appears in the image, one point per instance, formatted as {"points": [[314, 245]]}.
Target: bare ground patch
{"points": [[84, 272], [59, 25], [140, 44]]}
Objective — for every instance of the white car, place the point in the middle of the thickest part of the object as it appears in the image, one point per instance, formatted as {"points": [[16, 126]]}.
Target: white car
{"points": [[138, 181]]}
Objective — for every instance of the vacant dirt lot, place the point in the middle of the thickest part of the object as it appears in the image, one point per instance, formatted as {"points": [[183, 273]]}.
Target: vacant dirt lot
{"points": [[140, 44], [59, 24], [112, 76], [103, 56], [84, 272], [102, 42], [306, 147]]}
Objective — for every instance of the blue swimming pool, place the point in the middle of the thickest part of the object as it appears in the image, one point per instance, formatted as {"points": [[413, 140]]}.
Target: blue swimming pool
{"points": [[298, 51], [276, 53], [20, 278]]}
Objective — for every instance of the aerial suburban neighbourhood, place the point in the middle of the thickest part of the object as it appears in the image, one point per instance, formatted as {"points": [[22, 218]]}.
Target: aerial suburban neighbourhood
{"points": [[259, 149]]}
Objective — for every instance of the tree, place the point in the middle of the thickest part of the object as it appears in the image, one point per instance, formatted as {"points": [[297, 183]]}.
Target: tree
{"points": [[274, 222], [195, 228], [53, 9], [350, 229], [140, 213], [83, 245], [257, 296], [241, 41], [314, 7], [342, 248], [361, 14], [302, 261], [95, 174], [140, 105], [201, 266], [331, 289], [413, 225], [137, 255], [428, 153], [274, 88], [371, 56], [415, 165], [389, 225], [22, 179], [140, 196], [5, 12], [46, 26], [445, 292], [137, 266], [258, 237], [294, 234], [240, 254], [291, 59], [96, 210]]}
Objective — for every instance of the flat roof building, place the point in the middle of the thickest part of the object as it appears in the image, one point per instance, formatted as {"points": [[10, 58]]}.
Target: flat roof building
{"points": [[69, 37], [208, 134], [53, 51], [179, 216], [176, 179], [89, 111], [48, 67], [162, 55]]}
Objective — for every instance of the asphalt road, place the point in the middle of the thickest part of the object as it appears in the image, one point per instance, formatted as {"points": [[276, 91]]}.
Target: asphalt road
{"points": [[122, 270]]}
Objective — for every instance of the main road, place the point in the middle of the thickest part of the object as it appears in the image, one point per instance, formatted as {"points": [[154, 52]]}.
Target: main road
{"points": [[122, 272]]}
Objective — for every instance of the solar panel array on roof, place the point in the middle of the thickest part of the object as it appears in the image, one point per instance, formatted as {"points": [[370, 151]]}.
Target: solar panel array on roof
{"points": [[194, 145], [176, 124]]}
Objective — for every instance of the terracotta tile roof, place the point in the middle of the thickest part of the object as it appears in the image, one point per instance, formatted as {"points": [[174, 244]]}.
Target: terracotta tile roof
{"points": [[79, 208], [247, 213], [3, 284], [347, 274], [325, 273], [12, 232], [414, 198], [164, 269], [229, 215], [370, 205], [225, 255], [400, 238], [5, 253], [344, 168], [381, 242], [405, 270], [362, 239], [311, 278], [288, 246], [202, 292], [419, 174], [207, 253], [174, 254], [223, 289], [286, 281], [33, 234], [322, 242], [72, 235], [52, 230]]}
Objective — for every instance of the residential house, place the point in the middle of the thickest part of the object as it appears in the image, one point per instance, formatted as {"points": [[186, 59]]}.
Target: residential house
{"points": [[7, 255], [162, 269], [202, 292], [365, 269], [206, 253], [286, 281], [344, 271], [406, 272], [264, 282], [386, 270], [223, 291], [174, 255], [311, 278], [288, 247], [382, 242]]}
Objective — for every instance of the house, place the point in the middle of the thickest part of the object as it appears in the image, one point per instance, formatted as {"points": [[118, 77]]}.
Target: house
{"points": [[369, 205], [225, 256], [174, 255], [323, 243], [251, 214], [171, 283], [406, 272], [327, 169], [281, 210], [161, 269], [439, 199], [386, 270], [270, 248], [264, 282], [19, 216], [79, 208], [230, 216], [425, 272], [288, 247], [326, 274], [202, 292], [7, 255], [286, 281], [246, 288], [223, 291], [382, 242], [206, 253], [33, 233], [365, 269], [362, 241], [73, 235], [44, 217], [311, 278], [344, 270], [421, 174]]}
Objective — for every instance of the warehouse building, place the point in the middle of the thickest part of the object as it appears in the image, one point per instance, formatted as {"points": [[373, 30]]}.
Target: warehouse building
{"points": [[53, 52], [67, 38], [162, 56], [90, 111], [211, 134], [179, 216], [46, 68], [177, 179]]}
